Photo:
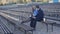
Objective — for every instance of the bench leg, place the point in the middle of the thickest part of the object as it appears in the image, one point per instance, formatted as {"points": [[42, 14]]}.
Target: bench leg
{"points": [[46, 26], [52, 27], [32, 31], [25, 32]]}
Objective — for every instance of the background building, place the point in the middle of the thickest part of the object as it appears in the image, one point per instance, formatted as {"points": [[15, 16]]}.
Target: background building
{"points": [[54, 1], [3, 2], [27, 1]]}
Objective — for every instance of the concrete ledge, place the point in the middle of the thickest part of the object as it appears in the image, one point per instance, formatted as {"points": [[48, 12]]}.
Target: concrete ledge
{"points": [[12, 19]]}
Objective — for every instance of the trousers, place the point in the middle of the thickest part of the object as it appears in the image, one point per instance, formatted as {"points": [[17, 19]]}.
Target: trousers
{"points": [[33, 23]]}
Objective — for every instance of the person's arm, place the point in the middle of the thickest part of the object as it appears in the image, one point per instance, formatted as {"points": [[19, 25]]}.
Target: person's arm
{"points": [[35, 13]]}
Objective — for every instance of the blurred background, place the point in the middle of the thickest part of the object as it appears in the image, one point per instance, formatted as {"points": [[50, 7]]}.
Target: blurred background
{"points": [[5, 2]]}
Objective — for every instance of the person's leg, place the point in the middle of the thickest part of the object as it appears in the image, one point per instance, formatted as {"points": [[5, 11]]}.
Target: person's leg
{"points": [[33, 23]]}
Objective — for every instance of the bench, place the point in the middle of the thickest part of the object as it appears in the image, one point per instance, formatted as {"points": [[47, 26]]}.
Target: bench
{"points": [[26, 28], [15, 23], [51, 22]]}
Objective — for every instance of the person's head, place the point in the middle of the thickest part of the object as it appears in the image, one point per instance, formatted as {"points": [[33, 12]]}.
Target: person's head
{"points": [[37, 7]]}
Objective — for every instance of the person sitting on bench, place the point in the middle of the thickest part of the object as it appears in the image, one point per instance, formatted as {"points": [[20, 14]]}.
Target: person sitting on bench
{"points": [[37, 15]]}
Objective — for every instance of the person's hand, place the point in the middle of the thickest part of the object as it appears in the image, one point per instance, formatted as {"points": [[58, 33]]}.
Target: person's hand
{"points": [[34, 17]]}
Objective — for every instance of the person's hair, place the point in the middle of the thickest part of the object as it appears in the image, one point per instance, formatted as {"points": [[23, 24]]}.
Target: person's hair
{"points": [[37, 6]]}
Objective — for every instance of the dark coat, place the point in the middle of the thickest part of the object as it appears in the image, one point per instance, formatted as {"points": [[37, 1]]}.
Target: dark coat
{"points": [[40, 15]]}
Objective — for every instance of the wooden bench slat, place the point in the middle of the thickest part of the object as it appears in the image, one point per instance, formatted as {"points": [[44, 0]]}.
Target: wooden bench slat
{"points": [[25, 27], [52, 21]]}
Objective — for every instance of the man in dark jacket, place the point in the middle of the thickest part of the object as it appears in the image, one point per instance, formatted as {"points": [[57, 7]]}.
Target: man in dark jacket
{"points": [[38, 15]]}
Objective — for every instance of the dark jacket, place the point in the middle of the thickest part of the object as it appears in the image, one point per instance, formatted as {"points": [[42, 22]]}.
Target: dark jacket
{"points": [[40, 15]]}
